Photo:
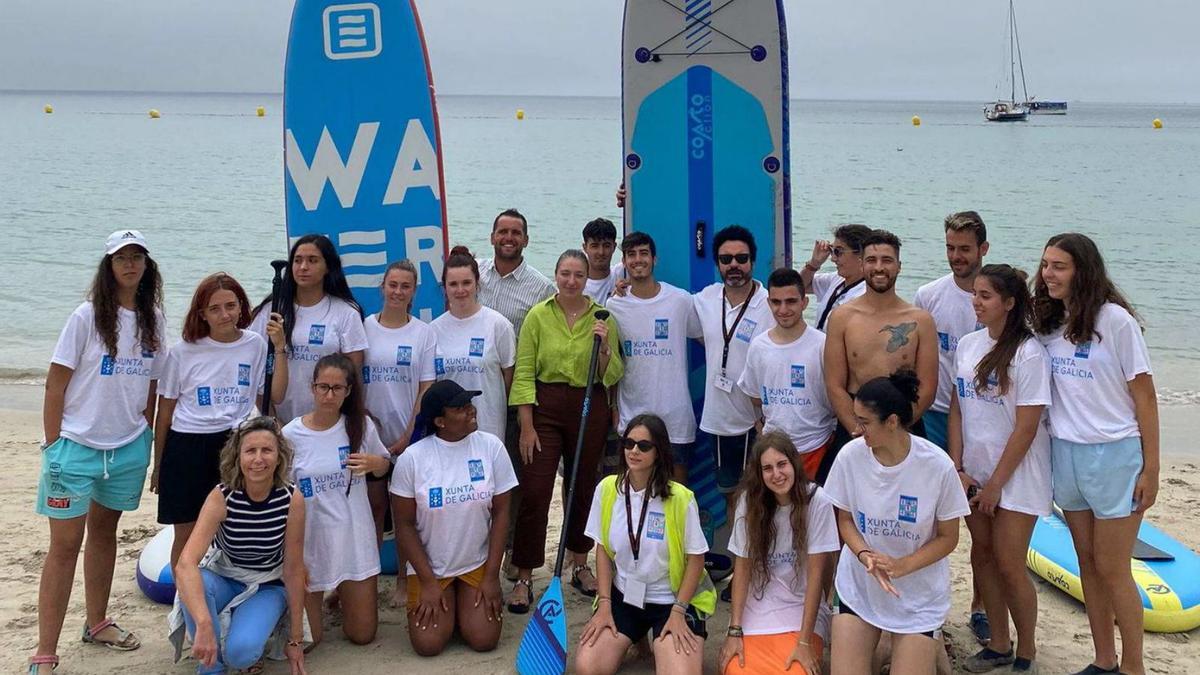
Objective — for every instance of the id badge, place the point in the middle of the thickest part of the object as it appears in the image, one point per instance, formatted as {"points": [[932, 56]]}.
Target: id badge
{"points": [[724, 384], [635, 592]]}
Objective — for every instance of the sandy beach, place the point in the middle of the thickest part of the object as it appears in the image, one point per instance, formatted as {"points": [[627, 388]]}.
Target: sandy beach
{"points": [[1063, 633]]}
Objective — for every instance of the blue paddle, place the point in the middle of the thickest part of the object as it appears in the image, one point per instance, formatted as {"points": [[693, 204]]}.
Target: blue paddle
{"points": [[543, 649]]}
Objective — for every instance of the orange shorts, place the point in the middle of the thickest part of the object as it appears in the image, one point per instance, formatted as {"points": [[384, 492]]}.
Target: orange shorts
{"points": [[812, 459], [472, 579], [766, 654]]}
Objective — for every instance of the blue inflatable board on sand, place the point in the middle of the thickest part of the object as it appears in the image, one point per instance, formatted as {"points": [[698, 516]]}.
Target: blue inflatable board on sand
{"points": [[705, 100], [361, 143], [1168, 578]]}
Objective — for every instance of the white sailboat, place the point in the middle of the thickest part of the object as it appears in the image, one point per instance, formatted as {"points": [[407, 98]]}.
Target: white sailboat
{"points": [[1011, 110]]}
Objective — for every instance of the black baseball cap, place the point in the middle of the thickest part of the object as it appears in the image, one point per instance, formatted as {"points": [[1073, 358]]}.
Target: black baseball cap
{"points": [[444, 394]]}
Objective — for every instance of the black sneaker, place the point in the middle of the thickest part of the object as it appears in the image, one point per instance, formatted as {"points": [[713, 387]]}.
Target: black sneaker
{"points": [[987, 659], [981, 628], [1023, 665], [727, 594], [1094, 669]]}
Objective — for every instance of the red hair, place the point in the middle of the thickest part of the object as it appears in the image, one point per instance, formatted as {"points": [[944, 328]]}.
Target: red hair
{"points": [[194, 326]]}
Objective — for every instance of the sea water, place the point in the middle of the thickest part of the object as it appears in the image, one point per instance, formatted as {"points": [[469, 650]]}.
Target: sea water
{"points": [[205, 184]]}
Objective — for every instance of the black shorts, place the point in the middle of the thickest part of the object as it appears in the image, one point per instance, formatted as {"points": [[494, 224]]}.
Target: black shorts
{"points": [[843, 608], [188, 471], [634, 623]]}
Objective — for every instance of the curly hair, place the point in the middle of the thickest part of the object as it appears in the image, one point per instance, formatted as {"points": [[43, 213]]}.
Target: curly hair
{"points": [[146, 300], [761, 506], [231, 466]]}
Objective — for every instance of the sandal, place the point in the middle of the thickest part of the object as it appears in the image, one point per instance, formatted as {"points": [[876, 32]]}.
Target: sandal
{"points": [[517, 607], [36, 662], [255, 669], [577, 583], [125, 642]]}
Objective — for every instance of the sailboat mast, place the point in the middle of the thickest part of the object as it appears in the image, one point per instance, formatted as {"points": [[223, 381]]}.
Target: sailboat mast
{"points": [[1020, 61], [1012, 64]]}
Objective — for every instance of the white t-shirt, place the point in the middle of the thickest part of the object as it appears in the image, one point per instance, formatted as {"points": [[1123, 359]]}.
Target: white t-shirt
{"points": [[453, 485], [105, 400], [1092, 403], [395, 364], [339, 531], [214, 383], [654, 335], [790, 381], [653, 556], [988, 419], [472, 352], [954, 315], [728, 413], [825, 286], [897, 509], [600, 290], [781, 607], [328, 327]]}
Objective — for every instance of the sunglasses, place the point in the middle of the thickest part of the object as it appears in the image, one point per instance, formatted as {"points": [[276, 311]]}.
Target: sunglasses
{"points": [[727, 258], [839, 251], [642, 446]]}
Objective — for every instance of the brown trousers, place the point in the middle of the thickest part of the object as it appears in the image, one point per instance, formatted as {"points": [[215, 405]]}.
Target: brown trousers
{"points": [[556, 419]]}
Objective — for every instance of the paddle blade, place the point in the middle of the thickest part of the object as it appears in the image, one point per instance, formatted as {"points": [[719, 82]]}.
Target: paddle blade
{"points": [[543, 649]]}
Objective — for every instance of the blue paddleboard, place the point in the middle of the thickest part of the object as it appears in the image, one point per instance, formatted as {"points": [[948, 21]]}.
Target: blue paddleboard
{"points": [[1168, 580], [361, 143], [705, 96]]}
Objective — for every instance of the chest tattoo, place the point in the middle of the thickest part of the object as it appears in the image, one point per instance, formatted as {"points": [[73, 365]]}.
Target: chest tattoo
{"points": [[898, 335]]}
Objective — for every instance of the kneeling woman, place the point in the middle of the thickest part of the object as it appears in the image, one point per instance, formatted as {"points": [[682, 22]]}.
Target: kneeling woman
{"points": [[450, 495], [898, 502], [649, 562], [249, 536], [336, 444], [784, 536]]}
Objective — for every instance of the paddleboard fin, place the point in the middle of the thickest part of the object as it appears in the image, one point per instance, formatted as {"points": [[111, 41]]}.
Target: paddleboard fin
{"points": [[700, 228]]}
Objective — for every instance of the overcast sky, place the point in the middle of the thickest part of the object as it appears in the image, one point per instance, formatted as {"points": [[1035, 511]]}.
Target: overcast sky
{"points": [[1093, 50]]}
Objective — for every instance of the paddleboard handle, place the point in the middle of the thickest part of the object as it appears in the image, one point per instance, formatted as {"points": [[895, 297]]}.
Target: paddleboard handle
{"points": [[700, 238]]}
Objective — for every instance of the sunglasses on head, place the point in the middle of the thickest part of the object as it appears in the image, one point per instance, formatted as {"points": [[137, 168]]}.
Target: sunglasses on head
{"points": [[642, 446], [727, 258]]}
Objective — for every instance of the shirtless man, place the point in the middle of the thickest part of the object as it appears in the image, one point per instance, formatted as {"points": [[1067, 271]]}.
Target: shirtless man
{"points": [[874, 335]]}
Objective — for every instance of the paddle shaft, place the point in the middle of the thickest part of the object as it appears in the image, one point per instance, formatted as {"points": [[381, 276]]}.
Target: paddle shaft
{"points": [[583, 417], [276, 284]]}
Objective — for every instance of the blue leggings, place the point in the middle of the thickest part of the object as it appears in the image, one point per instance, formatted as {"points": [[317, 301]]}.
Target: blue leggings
{"points": [[251, 624]]}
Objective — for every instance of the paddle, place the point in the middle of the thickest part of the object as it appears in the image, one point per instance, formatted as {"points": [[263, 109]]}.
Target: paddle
{"points": [[1141, 550], [276, 283], [543, 649]]}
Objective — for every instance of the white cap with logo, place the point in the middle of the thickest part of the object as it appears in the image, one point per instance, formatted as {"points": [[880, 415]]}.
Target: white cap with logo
{"points": [[122, 238]]}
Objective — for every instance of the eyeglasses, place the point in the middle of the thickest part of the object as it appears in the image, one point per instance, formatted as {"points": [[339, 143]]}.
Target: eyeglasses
{"points": [[727, 258], [838, 251], [642, 446], [337, 389], [129, 258]]}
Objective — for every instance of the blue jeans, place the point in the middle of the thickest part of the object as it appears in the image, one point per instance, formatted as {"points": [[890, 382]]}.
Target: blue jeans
{"points": [[251, 624]]}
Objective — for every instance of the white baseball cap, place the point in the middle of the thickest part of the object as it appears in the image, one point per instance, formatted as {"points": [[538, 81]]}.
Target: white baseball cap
{"points": [[122, 238]]}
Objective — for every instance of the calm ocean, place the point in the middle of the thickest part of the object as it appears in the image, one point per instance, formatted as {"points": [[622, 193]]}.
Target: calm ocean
{"points": [[205, 184]]}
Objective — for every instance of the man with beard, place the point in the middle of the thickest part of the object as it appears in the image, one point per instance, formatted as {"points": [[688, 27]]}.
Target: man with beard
{"points": [[874, 336], [731, 314], [655, 320], [599, 243]]}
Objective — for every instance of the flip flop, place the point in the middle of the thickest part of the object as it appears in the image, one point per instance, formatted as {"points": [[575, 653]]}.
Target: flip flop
{"points": [[517, 607]]}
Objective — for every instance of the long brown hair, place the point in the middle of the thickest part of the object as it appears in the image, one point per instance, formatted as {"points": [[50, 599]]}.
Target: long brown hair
{"points": [[353, 409], [1090, 289], [231, 465], [1010, 284], [761, 506], [664, 464], [146, 299], [194, 326]]}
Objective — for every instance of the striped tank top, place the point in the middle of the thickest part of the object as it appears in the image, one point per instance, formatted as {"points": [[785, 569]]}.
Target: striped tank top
{"points": [[252, 534]]}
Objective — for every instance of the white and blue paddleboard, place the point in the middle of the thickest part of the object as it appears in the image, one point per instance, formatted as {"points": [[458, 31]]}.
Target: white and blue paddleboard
{"points": [[705, 115], [1166, 572], [361, 143]]}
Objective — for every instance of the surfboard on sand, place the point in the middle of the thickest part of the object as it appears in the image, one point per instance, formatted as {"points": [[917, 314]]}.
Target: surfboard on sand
{"points": [[362, 148], [705, 101], [1166, 572]]}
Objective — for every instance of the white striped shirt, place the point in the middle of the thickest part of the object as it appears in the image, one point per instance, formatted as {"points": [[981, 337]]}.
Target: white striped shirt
{"points": [[514, 293], [252, 533]]}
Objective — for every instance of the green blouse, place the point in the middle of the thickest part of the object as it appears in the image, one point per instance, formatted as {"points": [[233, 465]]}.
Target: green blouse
{"points": [[548, 351]]}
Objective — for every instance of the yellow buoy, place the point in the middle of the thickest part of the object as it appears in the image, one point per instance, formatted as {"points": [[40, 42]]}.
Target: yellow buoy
{"points": [[48, 109], [520, 113], [1157, 123], [916, 120], [260, 111], [154, 114]]}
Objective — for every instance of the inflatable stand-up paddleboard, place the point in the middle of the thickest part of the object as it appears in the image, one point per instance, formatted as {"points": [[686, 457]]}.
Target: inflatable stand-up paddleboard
{"points": [[361, 143], [705, 117], [1166, 572]]}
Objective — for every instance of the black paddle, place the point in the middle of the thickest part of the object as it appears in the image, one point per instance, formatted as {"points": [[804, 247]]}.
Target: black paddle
{"points": [[276, 282]]}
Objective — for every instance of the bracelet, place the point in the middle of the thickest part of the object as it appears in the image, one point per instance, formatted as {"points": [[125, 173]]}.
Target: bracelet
{"points": [[295, 643], [809, 266], [858, 555], [603, 598], [735, 631], [683, 606]]}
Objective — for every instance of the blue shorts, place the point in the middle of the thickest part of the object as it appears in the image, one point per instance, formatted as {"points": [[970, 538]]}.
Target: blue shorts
{"points": [[1096, 477], [937, 426], [732, 453], [74, 475]]}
